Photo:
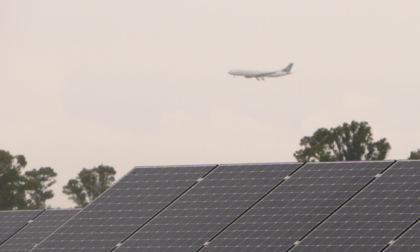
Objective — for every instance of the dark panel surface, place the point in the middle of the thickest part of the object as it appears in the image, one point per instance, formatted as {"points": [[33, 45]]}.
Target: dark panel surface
{"points": [[410, 241], [123, 208], [37, 230], [208, 207], [12, 221], [299, 204], [377, 215]]}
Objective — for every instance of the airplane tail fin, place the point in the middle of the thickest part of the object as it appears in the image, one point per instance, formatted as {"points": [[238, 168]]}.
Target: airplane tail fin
{"points": [[288, 68]]}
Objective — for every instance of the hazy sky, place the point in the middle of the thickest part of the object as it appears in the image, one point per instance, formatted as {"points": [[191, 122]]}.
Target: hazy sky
{"points": [[134, 83]]}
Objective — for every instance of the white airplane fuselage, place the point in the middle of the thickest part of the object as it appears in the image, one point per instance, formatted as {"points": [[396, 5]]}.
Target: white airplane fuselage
{"points": [[252, 74], [261, 74]]}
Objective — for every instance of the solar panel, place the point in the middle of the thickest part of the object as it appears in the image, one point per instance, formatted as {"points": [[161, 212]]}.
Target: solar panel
{"points": [[409, 241], [13, 221], [208, 207], [37, 230], [373, 218], [298, 205], [123, 208]]}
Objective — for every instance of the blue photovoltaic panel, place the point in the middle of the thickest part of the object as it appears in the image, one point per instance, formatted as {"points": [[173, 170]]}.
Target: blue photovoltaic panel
{"points": [[408, 242], [208, 207], [297, 206], [123, 208], [373, 218], [12, 221], [343, 206], [37, 230]]}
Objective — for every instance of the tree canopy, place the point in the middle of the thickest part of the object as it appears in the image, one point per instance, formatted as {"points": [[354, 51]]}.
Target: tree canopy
{"points": [[12, 192], [37, 183], [23, 191], [414, 155], [347, 142], [89, 184]]}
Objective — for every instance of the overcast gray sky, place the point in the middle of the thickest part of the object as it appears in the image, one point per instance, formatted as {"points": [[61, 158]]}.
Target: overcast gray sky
{"points": [[134, 83]]}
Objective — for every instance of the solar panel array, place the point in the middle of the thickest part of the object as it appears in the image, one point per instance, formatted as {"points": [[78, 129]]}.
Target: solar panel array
{"points": [[12, 221], [375, 216], [296, 206], [37, 230], [123, 208], [409, 241], [208, 207], [349, 206]]}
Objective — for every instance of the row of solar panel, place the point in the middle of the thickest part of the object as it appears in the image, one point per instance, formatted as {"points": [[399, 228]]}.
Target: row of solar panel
{"points": [[298, 207]]}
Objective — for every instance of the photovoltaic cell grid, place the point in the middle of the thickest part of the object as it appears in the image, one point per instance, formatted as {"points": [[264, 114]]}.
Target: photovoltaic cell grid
{"points": [[382, 215], [12, 221], [377, 215], [37, 230], [123, 208], [208, 207], [297, 206], [408, 242]]}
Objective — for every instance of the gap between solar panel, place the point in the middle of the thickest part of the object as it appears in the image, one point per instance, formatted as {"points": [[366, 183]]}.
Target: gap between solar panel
{"points": [[163, 209], [250, 207], [27, 223], [390, 243], [121, 179], [296, 243]]}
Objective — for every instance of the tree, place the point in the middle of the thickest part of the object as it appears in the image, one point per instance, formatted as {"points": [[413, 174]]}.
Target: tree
{"points": [[89, 184], [349, 142], [23, 191], [12, 190], [414, 155], [37, 183]]}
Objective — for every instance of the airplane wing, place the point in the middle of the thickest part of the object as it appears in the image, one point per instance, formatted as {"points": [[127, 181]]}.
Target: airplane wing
{"points": [[260, 74]]}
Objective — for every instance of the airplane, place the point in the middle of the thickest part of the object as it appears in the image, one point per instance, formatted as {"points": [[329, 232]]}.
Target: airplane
{"points": [[261, 74]]}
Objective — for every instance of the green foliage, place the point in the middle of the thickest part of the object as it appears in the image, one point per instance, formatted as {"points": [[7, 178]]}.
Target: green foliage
{"points": [[414, 155], [349, 142], [76, 192], [89, 184], [18, 191], [12, 190], [37, 184]]}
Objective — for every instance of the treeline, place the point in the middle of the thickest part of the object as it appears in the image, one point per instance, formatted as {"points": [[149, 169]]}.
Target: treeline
{"points": [[348, 142], [30, 190], [27, 190]]}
